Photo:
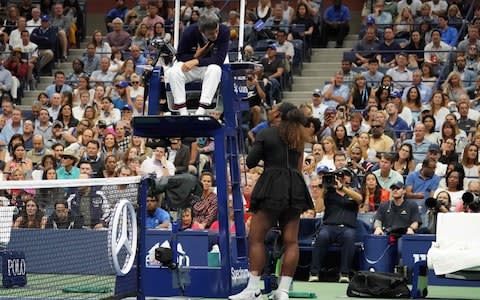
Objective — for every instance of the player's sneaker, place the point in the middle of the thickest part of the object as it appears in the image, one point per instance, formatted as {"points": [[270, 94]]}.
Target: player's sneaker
{"points": [[247, 294]]}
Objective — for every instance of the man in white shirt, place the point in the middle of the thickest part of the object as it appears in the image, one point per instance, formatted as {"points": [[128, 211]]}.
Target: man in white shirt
{"points": [[402, 77], [31, 50], [109, 114], [35, 21], [79, 110], [438, 7], [437, 52], [317, 104], [15, 39], [103, 75], [158, 163]]}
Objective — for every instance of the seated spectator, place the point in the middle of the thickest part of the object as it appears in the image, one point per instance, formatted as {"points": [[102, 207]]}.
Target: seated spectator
{"points": [[336, 19], [466, 117], [138, 58], [205, 210], [470, 161], [151, 19], [66, 117], [454, 187], [379, 141], [401, 76], [387, 49], [63, 218], [156, 217], [273, 68], [18, 161], [396, 121], [372, 75], [336, 92], [438, 108], [31, 216], [91, 61], [453, 86], [437, 51], [365, 49], [386, 176], [62, 24], [103, 75], [403, 24], [428, 77], [398, 214], [179, 155], [68, 170], [91, 204], [123, 90], [102, 48], [118, 39], [404, 162], [35, 20], [158, 163], [109, 114], [425, 16], [38, 151], [302, 17], [141, 37], [285, 47], [473, 187], [137, 88], [118, 12], [15, 36], [422, 184], [110, 167], [420, 144], [373, 194], [472, 39], [15, 126], [59, 85], [73, 11], [449, 34], [382, 18]]}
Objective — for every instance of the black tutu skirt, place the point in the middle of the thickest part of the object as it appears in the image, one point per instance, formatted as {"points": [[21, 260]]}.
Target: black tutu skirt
{"points": [[280, 189]]}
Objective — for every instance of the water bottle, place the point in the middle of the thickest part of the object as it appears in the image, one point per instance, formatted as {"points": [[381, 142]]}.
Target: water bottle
{"points": [[214, 257]]}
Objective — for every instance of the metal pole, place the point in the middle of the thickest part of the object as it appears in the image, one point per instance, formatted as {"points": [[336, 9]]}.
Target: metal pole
{"points": [[241, 29], [176, 24]]}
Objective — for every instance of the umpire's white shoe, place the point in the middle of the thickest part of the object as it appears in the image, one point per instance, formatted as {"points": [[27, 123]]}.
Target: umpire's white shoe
{"points": [[247, 294]]}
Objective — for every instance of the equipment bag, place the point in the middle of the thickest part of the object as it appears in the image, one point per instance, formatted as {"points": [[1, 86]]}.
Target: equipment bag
{"points": [[365, 284]]}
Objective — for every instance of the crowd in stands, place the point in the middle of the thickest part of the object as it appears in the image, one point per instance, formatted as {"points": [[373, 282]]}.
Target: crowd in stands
{"points": [[401, 113]]}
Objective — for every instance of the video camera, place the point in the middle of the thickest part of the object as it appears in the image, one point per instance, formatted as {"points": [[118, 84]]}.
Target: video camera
{"points": [[328, 180], [472, 201], [164, 47]]}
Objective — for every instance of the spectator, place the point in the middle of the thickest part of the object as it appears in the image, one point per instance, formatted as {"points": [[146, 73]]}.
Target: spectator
{"points": [[470, 161], [387, 49], [273, 71], [39, 150], [62, 218], [118, 39], [304, 18], [59, 86], [27, 134], [18, 161], [471, 40], [381, 18], [401, 76], [386, 176], [422, 184], [438, 108], [284, 46], [62, 24], [123, 90], [31, 51], [336, 19], [414, 5], [90, 61], [427, 76], [394, 121], [156, 217], [68, 170], [336, 92], [118, 12], [379, 141], [419, 143], [93, 155], [91, 204], [448, 154], [141, 37], [138, 58], [403, 161], [398, 214], [158, 163], [372, 76], [141, 9], [110, 167], [468, 77], [102, 47], [44, 127], [473, 187], [466, 117], [15, 40], [179, 155], [6, 78], [436, 52], [18, 68], [449, 34], [365, 49], [348, 73], [15, 126], [205, 210], [31, 216], [35, 21], [454, 187], [103, 75], [404, 24], [151, 19], [373, 194]]}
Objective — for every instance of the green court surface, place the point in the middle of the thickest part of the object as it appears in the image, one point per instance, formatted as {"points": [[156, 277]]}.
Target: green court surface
{"points": [[50, 286]]}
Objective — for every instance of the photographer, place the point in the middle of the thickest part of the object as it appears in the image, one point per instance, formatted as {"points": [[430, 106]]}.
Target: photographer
{"points": [[398, 214], [256, 99], [471, 199], [440, 204], [339, 222]]}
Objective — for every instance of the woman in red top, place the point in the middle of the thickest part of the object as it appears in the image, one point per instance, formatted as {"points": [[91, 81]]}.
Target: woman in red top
{"points": [[372, 193]]}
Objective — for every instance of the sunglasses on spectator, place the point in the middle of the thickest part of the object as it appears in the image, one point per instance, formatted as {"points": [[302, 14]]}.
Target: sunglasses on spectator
{"points": [[135, 82], [376, 126]]}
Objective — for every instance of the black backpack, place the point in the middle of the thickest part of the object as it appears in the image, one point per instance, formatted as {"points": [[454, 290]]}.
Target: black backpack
{"points": [[365, 284]]}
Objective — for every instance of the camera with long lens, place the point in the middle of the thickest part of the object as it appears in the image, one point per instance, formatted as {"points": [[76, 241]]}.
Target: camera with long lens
{"points": [[472, 201], [433, 204]]}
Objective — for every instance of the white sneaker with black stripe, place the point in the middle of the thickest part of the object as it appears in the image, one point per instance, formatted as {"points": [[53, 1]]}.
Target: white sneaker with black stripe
{"points": [[247, 294]]}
